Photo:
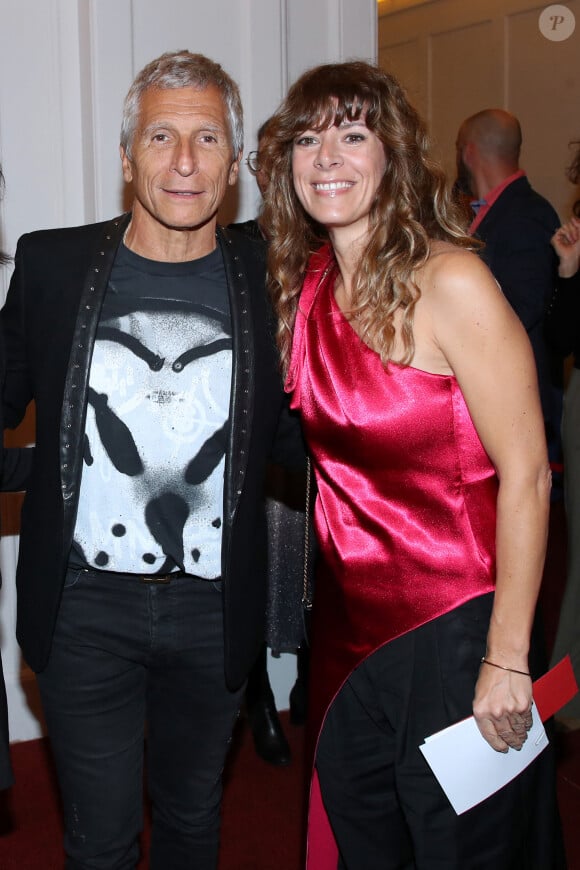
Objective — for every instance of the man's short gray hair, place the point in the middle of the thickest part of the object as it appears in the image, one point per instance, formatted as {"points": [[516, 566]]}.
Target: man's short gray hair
{"points": [[182, 69]]}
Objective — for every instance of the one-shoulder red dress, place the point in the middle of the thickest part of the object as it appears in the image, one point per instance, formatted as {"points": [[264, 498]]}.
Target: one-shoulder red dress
{"points": [[406, 507]]}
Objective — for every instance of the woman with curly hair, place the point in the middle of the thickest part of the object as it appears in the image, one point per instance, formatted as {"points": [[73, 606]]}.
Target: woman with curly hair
{"points": [[417, 389]]}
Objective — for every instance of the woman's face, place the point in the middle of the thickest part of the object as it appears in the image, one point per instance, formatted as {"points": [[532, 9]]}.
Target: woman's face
{"points": [[336, 173]]}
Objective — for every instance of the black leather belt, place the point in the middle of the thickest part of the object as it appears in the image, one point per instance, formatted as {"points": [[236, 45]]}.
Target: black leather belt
{"points": [[165, 578], [152, 579]]}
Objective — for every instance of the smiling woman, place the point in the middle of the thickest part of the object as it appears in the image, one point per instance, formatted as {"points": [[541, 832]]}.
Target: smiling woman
{"points": [[336, 175], [418, 395]]}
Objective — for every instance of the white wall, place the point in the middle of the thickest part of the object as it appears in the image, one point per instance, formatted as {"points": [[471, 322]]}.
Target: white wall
{"points": [[65, 66]]}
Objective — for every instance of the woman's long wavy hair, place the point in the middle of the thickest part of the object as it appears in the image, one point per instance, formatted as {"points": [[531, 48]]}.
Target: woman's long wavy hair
{"points": [[573, 174], [412, 205]]}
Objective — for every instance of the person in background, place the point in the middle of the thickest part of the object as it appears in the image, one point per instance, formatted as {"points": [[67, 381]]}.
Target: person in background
{"points": [[14, 471], [146, 343], [563, 334], [285, 502], [417, 389], [516, 225]]}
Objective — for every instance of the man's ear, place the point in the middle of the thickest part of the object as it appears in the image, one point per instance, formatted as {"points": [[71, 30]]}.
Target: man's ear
{"points": [[235, 169], [469, 154], [126, 164]]}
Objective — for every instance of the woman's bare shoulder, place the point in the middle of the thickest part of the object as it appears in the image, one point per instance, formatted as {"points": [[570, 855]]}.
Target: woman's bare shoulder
{"points": [[445, 257], [454, 275]]}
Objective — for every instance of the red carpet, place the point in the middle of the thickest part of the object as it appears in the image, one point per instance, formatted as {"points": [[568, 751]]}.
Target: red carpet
{"points": [[263, 805], [262, 811]]}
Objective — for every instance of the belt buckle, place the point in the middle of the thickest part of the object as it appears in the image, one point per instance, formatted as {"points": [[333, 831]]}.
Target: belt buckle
{"points": [[155, 579]]}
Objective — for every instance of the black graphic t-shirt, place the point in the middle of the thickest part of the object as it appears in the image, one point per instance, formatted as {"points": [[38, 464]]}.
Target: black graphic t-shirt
{"points": [[151, 497]]}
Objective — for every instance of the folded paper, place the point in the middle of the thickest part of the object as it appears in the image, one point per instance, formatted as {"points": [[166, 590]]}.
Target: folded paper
{"points": [[469, 770]]}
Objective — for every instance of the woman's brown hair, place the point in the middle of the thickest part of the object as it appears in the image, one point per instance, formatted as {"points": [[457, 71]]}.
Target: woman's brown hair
{"points": [[412, 206]]}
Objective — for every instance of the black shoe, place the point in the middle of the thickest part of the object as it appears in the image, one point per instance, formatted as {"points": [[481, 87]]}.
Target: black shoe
{"points": [[298, 703], [269, 739]]}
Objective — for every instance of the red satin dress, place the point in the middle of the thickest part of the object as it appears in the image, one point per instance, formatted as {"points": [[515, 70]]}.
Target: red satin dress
{"points": [[406, 506]]}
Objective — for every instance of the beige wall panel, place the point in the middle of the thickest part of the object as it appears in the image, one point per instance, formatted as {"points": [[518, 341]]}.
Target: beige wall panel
{"points": [[465, 77], [408, 62], [543, 90], [491, 52]]}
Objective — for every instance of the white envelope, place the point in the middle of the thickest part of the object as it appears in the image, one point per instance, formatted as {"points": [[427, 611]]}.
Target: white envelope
{"points": [[469, 770]]}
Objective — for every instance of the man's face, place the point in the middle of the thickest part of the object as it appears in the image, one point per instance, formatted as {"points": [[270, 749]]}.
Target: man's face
{"points": [[181, 160]]}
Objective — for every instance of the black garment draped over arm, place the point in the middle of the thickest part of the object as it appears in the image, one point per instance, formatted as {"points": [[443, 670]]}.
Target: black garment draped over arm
{"points": [[563, 318]]}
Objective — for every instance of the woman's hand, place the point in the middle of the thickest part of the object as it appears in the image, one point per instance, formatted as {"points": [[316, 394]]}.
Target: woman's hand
{"points": [[566, 243], [502, 707]]}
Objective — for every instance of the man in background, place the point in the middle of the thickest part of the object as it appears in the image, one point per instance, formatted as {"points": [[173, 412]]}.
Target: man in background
{"points": [[285, 514], [516, 224]]}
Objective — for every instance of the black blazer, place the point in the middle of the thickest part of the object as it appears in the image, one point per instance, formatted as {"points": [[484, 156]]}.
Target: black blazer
{"points": [[517, 231], [49, 324]]}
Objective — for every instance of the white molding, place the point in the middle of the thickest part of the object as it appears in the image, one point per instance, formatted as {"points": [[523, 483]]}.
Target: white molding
{"points": [[111, 70], [283, 12], [358, 36]]}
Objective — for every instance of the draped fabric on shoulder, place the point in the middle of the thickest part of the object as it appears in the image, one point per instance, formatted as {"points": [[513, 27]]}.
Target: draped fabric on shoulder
{"points": [[405, 513]]}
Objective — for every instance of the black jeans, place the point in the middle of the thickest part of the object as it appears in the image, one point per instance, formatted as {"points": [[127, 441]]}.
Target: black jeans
{"points": [[126, 653], [386, 808]]}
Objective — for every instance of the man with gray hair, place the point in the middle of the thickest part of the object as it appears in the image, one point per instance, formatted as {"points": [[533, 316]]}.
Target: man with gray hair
{"points": [[146, 344], [516, 225]]}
